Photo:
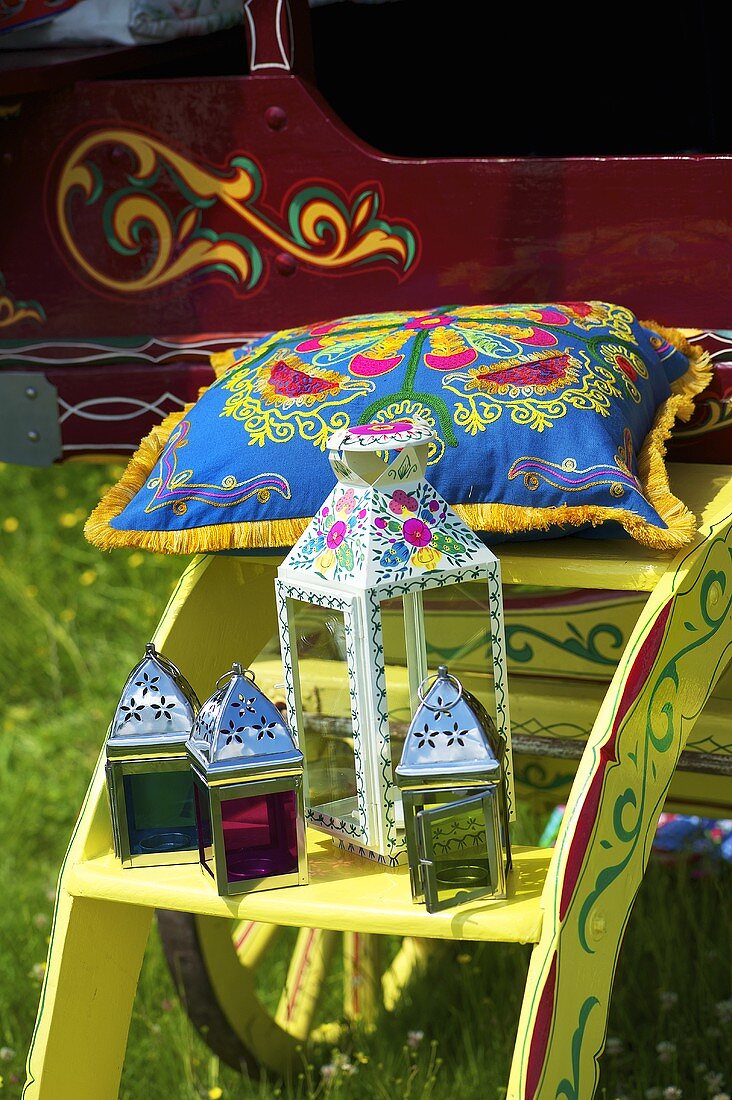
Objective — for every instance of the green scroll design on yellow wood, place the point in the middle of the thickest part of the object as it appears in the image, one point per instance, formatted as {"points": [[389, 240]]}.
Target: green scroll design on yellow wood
{"points": [[571, 1089], [663, 732], [163, 241], [676, 655]]}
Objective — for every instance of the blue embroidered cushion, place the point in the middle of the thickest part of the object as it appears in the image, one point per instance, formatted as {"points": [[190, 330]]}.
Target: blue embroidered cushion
{"points": [[550, 418]]}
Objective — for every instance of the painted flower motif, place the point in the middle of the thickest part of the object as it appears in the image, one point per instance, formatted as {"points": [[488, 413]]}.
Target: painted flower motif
{"points": [[329, 548], [336, 534], [416, 533], [402, 502], [395, 427], [416, 538]]}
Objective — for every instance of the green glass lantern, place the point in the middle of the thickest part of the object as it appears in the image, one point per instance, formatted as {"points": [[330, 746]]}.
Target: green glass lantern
{"points": [[148, 778], [248, 789], [453, 782]]}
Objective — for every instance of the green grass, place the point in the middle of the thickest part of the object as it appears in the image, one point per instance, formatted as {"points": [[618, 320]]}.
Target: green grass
{"points": [[72, 623]]}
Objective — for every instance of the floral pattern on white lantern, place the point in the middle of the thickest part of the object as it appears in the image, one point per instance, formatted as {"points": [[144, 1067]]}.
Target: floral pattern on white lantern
{"points": [[382, 539]]}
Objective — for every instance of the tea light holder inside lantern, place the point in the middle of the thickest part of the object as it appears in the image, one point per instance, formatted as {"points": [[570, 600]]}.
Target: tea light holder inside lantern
{"points": [[382, 540], [248, 788], [148, 779], [453, 785]]}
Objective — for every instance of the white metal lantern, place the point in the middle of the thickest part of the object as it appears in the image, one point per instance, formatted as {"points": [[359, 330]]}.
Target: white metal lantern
{"points": [[355, 637]]}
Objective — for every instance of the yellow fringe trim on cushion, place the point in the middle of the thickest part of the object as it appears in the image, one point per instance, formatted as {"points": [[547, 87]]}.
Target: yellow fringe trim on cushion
{"points": [[674, 336], [221, 361], [499, 518]]}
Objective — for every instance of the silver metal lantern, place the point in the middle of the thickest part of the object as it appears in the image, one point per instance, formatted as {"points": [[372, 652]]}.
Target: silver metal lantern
{"points": [[362, 600], [453, 783], [248, 789], [148, 778]]}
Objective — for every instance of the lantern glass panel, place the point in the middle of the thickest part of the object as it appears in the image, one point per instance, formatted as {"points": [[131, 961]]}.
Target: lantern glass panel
{"points": [[160, 814], [398, 701], [260, 835], [205, 832], [457, 850], [327, 727], [457, 628]]}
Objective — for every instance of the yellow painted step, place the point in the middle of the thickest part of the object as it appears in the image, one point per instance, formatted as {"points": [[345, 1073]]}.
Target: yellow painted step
{"points": [[345, 892]]}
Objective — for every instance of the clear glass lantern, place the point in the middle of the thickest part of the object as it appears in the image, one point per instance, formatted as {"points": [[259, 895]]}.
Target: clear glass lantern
{"points": [[248, 789], [453, 783], [148, 778], [363, 601]]}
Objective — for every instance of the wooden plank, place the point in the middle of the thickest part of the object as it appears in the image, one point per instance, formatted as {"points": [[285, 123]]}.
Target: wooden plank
{"points": [[378, 898]]}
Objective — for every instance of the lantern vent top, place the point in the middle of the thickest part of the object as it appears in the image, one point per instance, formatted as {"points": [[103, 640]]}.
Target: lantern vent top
{"points": [[450, 736], [157, 704], [240, 729]]}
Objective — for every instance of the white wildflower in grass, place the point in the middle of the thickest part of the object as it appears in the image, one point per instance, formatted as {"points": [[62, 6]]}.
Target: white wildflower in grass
{"points": [[721, 1096], [339, 1066], [724, 1011], [414, 1038], [614, 1045], [668, 999], [37, 971], [6, 1054], [714, 1081], [672, 1092], [665, 1051], [40, 920]]}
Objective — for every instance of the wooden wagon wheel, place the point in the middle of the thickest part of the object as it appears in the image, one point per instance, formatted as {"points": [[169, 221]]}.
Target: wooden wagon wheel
{"points": [[216, 965]]}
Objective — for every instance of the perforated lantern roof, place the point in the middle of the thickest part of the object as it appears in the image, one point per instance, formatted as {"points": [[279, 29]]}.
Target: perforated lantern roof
{"points": [[156, 710], [240, 732], [448, 737]]}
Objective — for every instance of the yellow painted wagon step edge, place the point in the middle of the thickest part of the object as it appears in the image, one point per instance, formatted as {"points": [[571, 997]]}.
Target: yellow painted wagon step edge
{"points": [[347, 893]]}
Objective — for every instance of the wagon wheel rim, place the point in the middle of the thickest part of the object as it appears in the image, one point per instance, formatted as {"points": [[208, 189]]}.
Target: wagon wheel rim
{"points": [[215, 965]]}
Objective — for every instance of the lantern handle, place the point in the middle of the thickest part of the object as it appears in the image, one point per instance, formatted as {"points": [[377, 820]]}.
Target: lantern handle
{"points": [[441, 674], [151, 651], [236, 670]]}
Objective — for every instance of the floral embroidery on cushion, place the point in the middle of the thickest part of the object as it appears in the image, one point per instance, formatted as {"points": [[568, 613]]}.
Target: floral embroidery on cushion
{"points": [[288, 381], [176, 488], [543, 374], [630, 367], [581, 384], [286, 397], [572, 479]]}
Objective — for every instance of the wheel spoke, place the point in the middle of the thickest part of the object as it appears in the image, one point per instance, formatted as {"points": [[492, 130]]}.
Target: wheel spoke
{"points": [[309, 966], [362, 954], [411, 957], [252, 940]]}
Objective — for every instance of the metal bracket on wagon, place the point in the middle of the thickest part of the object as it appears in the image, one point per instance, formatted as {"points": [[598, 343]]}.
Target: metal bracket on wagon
{"points": [[30, 433]]}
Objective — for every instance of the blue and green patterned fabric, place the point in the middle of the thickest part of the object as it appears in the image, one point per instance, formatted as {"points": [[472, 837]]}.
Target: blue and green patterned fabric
{"points": [[542, 412]]}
